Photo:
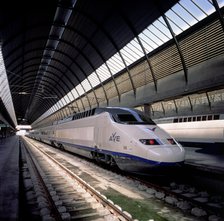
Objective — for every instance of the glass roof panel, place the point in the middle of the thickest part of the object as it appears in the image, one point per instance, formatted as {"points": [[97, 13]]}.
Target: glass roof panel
{"points": [[160, 31], [66, 99], [129, 59], [220, 2], [103, 73], [176, 22], [86, 85], [205, 5], [132, 52], [60, 103], [5, 92], [114, 67], [115, 62], [70, 96], [75, 93], [94, 79], [137, 48], [80, 90], [146, 42]]}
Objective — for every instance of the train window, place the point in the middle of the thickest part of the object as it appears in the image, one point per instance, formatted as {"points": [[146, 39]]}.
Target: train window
{"points": [[209, 117], [175, 120], [146, 119], [203, 118], [194, 118], [180, 119], [126, 118], [93, 111], [189, 119], [216, 117], [198, 118], [185, 119]]}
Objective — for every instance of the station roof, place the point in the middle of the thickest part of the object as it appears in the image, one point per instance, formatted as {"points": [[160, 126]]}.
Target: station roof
{"points": [[51, 47]]}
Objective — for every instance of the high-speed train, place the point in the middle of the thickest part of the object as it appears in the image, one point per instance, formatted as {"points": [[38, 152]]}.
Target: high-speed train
{"points": [[199, 130], [114, 135]]}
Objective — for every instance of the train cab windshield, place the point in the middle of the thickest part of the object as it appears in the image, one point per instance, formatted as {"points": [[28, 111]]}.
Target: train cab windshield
{"points": [[127, 118]]}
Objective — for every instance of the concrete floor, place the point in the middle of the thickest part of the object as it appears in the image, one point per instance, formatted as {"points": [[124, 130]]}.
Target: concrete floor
{"points": [[9, 178]]}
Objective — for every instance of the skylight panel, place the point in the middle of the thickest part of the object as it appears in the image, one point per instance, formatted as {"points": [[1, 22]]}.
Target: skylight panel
{"points": [[183, 16], [80, 90], [152, 39], [161, 30], [133, 52], [137, 47], [116, 61], [5, 93], [220, 2], [103, 73], [206, 6], [94, 79], [66, 99], [129, 59], [70, 96], [86, 85], [114, 66], [146, 42], [75, 93], [176, 22], [60, 103], [191, 11]]}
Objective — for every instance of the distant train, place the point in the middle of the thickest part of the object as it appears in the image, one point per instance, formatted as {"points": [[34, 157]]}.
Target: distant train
{"points": [[121, 136], [200, 130]]}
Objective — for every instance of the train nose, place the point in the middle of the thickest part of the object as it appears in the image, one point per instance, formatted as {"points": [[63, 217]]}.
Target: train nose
{"points": [[167, 154]]}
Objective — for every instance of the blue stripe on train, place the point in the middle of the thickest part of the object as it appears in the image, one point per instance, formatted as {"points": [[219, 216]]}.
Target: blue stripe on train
{"points": [[119, 154]]}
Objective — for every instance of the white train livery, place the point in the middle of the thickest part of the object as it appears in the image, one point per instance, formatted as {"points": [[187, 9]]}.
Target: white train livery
{"points": [[198, 130], [115, 135]]}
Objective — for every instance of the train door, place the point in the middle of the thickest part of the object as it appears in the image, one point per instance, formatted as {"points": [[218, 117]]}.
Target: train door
{"points": [[100, 131]]}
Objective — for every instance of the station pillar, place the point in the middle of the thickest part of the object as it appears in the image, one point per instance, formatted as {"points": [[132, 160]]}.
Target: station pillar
{"points": [[147, 109]]}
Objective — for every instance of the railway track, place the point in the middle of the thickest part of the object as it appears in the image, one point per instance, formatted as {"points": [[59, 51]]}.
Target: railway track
{"points": [[199, 205], [62, 195]]}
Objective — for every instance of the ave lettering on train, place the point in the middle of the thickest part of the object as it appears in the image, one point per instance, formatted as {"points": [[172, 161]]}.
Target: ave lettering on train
{"points": [[114, 137]]}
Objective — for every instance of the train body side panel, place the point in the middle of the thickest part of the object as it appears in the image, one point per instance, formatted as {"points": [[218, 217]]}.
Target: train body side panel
{"points": [[202, 131], [77, 136]]}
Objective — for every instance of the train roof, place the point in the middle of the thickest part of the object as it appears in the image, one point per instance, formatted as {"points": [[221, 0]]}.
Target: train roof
{"points": [[98, 110]]}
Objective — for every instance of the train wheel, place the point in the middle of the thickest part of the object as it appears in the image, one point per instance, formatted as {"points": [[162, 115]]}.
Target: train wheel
{"points": [[111, 161], [61, 147]]}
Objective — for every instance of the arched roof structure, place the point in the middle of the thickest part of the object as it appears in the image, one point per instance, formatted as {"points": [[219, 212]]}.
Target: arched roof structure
{"points": [[79, 54]]}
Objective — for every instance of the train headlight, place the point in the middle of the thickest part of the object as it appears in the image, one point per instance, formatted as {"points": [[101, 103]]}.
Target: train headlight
{"points": [[149, 141]]}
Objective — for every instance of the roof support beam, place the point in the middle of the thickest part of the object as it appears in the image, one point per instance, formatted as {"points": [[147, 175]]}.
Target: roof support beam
{"points": [[209, 102], [148, 62], [178, 48], [220, 14], [101, 56], [116, 48], [190, 102], [175, 104], [132, 28]]}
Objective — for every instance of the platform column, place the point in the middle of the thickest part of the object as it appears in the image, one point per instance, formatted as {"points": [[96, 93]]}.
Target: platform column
{"points": [[147, 109]]}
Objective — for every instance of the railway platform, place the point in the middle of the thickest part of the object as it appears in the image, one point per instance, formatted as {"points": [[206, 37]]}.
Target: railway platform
{"points": [[9, 178], [206, 158]]}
